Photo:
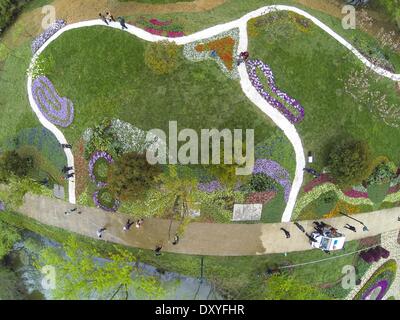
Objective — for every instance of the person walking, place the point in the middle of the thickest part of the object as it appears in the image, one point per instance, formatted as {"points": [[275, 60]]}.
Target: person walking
{"points": [[301, 228], [287, 233], [100, 232], [139, 223], [109, 17], [128, 225], [70, 175], [65, 169], [176, 239], [70, 211], [350, 227], [121, 21], [157, 250], [103, 18], [66, 146]]}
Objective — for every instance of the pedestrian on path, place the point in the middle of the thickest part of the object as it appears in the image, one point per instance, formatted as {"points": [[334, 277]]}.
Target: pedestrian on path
{"points": [[109, 17], [139, 223], [121, 21], [66, 146], [102, 17], [310, 238], [128, 225], [65, 169], [69, 175], [157, 250], [287, 233], [298, 225], [176, 239], [69, 211], [350, 227], [100, 232]]}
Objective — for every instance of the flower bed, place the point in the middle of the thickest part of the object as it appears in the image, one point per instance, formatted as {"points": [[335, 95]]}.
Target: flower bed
{"points": [[252, 66], [273, 170], [103, 199], [92, 163], [323, 178], [356, 194], [260, 197], [57, 110], [2, 206], [381, 280], [175, 34], [43, 37], [210, 186], [157, 22], [224, 44], [154, 31], [160, 28]]}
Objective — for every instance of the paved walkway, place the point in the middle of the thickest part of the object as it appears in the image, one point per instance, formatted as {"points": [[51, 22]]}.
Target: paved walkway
{"points": [[247, 88], [199, 238]]}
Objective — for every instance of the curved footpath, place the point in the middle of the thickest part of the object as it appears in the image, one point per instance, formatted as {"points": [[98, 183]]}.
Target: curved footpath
{"points": [[288, 128], [199, 238]]}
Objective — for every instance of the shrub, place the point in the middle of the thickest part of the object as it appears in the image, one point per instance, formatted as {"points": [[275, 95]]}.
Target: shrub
{"points": [[162, 57], [11, 163], [8, 11], [383, 173], [260, 182], [349, 162]]}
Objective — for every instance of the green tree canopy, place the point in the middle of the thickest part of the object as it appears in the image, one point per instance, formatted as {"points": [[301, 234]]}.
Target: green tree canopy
{"points": [[349, 162], [131, 176], [81, 274], [10, 287], [8, 236], [11, 163]]}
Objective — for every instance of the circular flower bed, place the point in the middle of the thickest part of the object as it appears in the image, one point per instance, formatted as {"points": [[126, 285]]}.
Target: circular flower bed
{"points": [[105, 200], [379, 283], [96, 170]]}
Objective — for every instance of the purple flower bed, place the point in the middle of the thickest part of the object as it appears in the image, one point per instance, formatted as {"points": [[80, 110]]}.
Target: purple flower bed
{"points": [[2, 206], [96, 156], [43, 37], [102, 206], [273, 170], [210, 186], [252, 66], [57, 110], [382, 284]]}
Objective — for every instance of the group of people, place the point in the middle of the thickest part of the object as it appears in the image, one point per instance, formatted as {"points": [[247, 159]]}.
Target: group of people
{"points": [[108, 17], [71, 211], [66, 171], [129, 224]]}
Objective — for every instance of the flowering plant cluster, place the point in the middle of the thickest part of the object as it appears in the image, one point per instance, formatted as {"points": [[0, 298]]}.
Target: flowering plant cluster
{"points": [[43, 37], [382, 278], [2, 206], [252, 66], [160, 28], [95, 157], [260, 197], [323, 178], [57, 110], [356, 194], [225, 46], [273, 170], [99, 201], [210, 186]]}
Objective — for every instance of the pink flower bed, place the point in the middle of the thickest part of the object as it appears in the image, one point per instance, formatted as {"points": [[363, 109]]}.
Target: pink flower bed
{"points": [[394, 189], [154, 31], [260, 197], [356, 194], [323, 178], [157, 22], [175, 34]]}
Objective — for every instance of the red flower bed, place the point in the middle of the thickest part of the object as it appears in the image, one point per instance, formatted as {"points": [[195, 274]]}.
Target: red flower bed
{"points": [[323, 178], [394, 189], [154, 31], [260, 197], [157, 22], [175, 34], [356, 194]]}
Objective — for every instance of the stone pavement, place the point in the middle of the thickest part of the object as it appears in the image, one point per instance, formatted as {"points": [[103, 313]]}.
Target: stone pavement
{"points": [[199, 238]]}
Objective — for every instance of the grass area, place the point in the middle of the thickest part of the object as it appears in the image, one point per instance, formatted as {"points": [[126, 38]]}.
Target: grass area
{"points": [[236, 277], [156, 1], [317, 83]]}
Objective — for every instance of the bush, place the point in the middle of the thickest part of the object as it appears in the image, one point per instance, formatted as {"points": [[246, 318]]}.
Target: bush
{"points": [[8, 11], [383, 173], [11, 163], [349, 162], [260, 182], [8, 236], [162, 57]]}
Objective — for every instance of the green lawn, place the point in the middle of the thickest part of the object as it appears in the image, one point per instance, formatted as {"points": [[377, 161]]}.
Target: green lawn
{"points": [[310, 66]]}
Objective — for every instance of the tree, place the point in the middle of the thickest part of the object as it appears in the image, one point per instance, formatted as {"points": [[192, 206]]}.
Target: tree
{"points": [[131, 176], [287, 287], [10, 288], [162, 57], [12, 163], [349, 162], [8, 237], [81, 274]]}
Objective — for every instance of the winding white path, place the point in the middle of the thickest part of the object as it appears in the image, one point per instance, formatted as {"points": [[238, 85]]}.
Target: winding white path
{"points": [[247, 88]]}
